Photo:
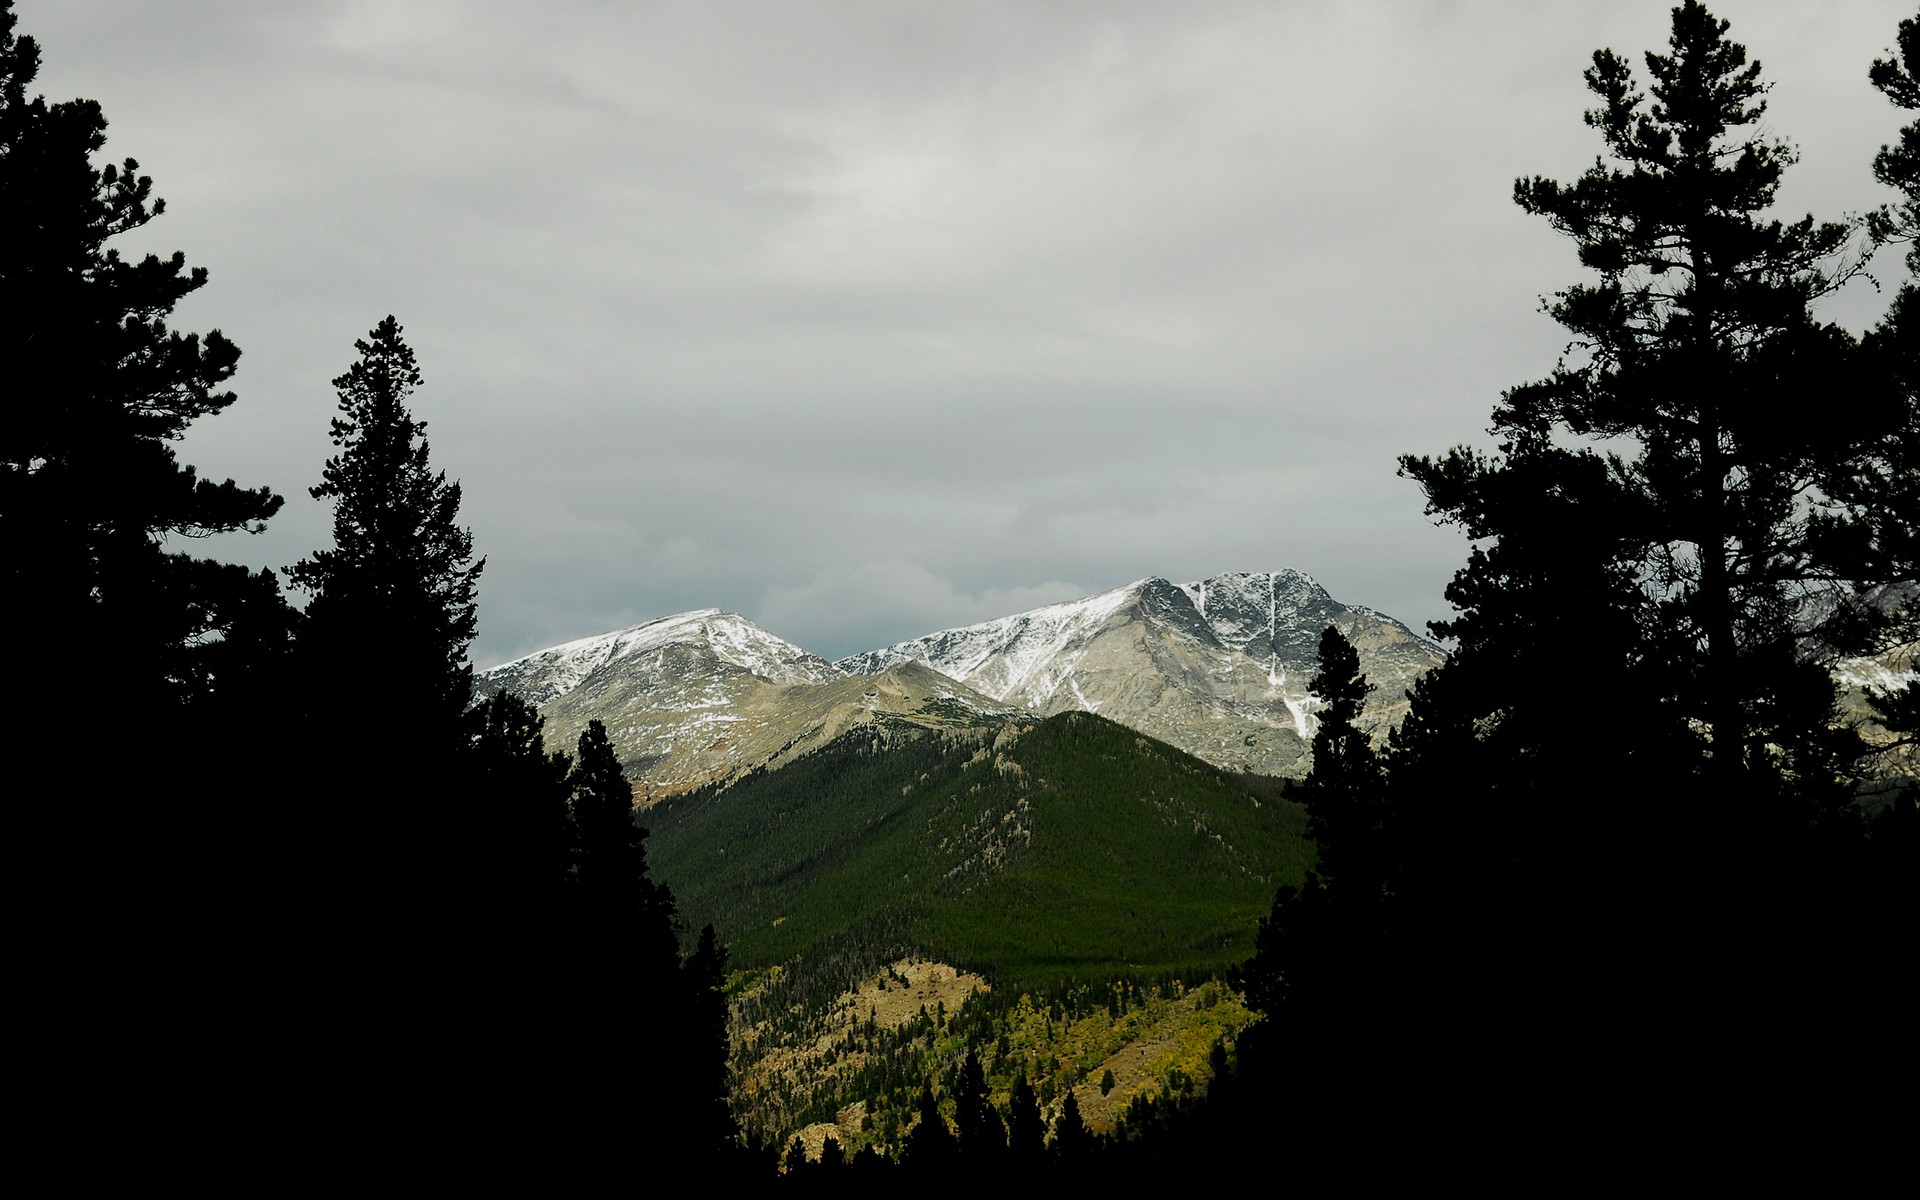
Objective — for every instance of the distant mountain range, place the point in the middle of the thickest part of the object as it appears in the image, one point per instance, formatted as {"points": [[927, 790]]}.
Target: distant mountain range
{"points": [[1218, 668]]}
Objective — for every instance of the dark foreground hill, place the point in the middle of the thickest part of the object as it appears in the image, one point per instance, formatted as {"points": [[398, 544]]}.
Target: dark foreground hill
{"points": [[1057, 848]]}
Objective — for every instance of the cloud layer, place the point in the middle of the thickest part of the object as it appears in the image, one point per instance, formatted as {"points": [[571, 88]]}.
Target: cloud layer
{"points": [[864, 319]]}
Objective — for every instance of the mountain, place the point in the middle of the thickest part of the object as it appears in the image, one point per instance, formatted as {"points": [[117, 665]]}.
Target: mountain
{"points": [[1217, 667], [1090, 882], [1043, 849], [702, 697]]}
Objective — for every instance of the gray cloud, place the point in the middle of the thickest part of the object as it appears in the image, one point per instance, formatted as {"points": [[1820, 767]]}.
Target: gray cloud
{"points": [[865, 318]]}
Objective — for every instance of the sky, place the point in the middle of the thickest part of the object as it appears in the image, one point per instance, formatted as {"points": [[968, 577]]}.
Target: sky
{"points": [[864, 320]]}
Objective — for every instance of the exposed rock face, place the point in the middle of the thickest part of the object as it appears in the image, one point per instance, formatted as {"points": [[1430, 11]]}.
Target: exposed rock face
{"points": [[1219, 667], [705, 696]]}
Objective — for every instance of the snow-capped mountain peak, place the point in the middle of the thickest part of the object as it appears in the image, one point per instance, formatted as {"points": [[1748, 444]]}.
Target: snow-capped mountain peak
{"points": [[728, 638]]}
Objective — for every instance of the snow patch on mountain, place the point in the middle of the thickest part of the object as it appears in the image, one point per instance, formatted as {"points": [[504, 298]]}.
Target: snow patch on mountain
{"points": [[549, 674], [1019, 658]]}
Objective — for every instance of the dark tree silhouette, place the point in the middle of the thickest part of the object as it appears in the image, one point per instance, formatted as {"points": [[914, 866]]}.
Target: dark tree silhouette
{"points": [[392, 608], [92, 489], [698, 1049], [406, 892], [146, 661], [617, 897], [1073, 1142], [832, 1157], [519, 838], [671, 1030], [1326, 955], [1898, 166], [930, 1147], [93, 500], [1343, 789], [396, 591], [983, 1137], [1696, 336], [1026, 1129], [1650, 515], [1883, 493]]}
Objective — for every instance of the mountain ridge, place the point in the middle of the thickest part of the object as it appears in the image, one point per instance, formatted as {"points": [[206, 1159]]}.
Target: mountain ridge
{"points": [[1217, 667]]}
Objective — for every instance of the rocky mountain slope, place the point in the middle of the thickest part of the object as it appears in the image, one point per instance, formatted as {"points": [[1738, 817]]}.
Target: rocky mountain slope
{"points": [[1217, 667], [702, 697]]}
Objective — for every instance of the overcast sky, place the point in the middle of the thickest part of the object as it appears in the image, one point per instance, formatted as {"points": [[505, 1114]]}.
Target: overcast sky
{"points": [[868, 319]]}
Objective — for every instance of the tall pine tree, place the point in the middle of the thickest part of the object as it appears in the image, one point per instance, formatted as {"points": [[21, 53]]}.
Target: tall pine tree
{"points": [[396, 590], [1661, 550], [1695, 338], [151, 666], [393, 854], [392, 611]]}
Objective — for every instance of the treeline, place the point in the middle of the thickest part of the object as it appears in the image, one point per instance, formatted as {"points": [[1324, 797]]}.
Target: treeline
{"points": [[301, 897]]}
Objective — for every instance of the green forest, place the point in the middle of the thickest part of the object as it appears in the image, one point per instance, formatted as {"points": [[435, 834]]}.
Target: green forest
{"points": [[1660, 914]]}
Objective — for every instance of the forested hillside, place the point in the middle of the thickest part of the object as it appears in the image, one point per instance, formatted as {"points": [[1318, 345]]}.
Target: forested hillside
{"points": [[1069, 847]]}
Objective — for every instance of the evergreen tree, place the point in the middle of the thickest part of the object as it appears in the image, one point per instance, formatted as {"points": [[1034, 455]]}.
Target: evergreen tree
{"points": [[1325, 956], [93, 499], [1073, 1142], [1026, 1130], [1882, 494], [699, 1049], [930, 1147], [92, 490], [1649, 516], [1342, 790], [832, 1157], [403, 909], [397, 589], [982, 1136], [617, 897], [1697, 334], [1898, 78], [394, 597], [518, 831], [509, 859], [794, 1165], [671, 1032], [117, 626]]}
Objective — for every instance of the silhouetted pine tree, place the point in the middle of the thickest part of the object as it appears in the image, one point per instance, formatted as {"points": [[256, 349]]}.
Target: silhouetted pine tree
{"points": [[833, 1159], [1326, 956], [1026, 1129], [391, 613], [930, 1150], [519, 833], [139, 656], [1073, 1143], [617, 900], [1883, 493], [983, 1139], [399, 920], [795, 1163], [700, 1051], [1611, 862]]}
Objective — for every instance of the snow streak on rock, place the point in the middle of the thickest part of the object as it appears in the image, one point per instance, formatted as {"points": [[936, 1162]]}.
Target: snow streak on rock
{"points": [[1218, 667], [548, 674]]}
